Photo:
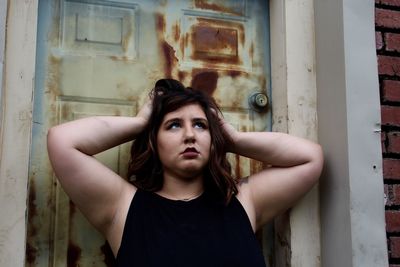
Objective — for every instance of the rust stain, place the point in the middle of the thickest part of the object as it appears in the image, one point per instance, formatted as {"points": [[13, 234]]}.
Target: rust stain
{"points": [[242, 36], [54, 75], [204, 4], [186, 41], [128, 36], [221, 23], [66, 112], [251, 50], [170, 60], [120, 58], [169, 57], [160, 22], [235, 103], [132, 98], [204, 80], [182, 45], [216, 41], [109, 258], [32, 231], [182, 75], [177, 31], [215, 44], [263, 83], [234, 73]]}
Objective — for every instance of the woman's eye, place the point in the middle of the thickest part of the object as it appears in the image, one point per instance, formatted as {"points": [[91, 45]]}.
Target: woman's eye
{"points": [[200, 125], [173, 125]]}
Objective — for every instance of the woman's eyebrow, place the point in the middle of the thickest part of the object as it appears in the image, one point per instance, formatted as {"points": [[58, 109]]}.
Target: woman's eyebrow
{"points": [[202, 119], [174, 119]]}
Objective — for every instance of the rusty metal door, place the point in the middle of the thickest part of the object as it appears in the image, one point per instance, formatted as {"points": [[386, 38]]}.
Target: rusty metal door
{"points": [[100, 57]]}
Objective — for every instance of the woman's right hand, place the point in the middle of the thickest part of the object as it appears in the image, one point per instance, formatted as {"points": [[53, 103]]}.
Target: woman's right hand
{"points": [[145, 112]]}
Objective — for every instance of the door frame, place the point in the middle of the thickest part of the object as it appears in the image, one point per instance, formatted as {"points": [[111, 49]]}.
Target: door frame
{"points": [[293, 75]]}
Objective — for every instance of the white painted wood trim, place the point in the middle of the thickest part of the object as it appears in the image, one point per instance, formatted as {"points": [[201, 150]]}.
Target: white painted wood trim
{"points": [[294, 112], [3, 18], [302, 121], [19, 73]]}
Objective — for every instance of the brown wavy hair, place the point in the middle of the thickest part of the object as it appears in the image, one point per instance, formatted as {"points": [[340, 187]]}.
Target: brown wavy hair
{"points": [[145, 169]]}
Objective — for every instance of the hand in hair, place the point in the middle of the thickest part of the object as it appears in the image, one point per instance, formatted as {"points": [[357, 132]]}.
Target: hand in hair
{"points": [[145, 112], [229, 132]]}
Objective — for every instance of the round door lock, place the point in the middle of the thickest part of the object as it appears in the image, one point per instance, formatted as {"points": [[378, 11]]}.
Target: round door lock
{"points": [[258, 101]]}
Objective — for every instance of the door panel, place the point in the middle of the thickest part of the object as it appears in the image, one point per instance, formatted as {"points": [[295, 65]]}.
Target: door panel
{"points": [[99, 57]]}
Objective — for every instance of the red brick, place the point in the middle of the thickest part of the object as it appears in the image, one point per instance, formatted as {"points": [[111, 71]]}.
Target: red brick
{"points": [[383, 142], [394, 247], [392, 194], [392, 41], [387, 18], [392, 221], [391, 169], [394, 142], [389, 65], [391, 90], [388, 193], [389, 2], [378, 40], [390, 115]]}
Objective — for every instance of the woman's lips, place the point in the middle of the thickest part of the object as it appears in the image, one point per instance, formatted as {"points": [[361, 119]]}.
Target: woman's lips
{"points": [[190, 152]]}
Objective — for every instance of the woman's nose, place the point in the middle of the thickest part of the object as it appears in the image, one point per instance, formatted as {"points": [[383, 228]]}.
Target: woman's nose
{"points": [[189, 134]]}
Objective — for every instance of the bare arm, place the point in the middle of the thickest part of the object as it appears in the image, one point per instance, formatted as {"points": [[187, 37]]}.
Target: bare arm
{"points": [[295, 166], [96, 190]]}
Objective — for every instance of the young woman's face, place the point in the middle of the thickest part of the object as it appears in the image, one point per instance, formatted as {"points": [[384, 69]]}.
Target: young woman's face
{"points": [[184, 141]]}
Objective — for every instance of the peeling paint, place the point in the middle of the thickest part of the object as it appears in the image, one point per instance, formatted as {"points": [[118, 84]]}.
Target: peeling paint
{"points": [[204, 80], [216, 41], [169, 57]]}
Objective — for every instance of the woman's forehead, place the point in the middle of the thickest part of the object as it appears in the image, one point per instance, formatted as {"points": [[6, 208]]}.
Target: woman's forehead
{"points": [[190, 110]]}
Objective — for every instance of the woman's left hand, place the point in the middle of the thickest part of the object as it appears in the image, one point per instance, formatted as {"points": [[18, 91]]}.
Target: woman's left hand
{"points": [[230, 133]]}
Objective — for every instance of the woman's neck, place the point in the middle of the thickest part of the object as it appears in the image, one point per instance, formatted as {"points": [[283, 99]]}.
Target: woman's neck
{"points": [[181, 189]]}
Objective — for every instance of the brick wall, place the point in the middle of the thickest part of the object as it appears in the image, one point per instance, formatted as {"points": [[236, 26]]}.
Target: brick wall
{"points": [[387, 25]]}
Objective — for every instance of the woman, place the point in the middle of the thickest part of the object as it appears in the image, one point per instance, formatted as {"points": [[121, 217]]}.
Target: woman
{"points": [[182, 207]]}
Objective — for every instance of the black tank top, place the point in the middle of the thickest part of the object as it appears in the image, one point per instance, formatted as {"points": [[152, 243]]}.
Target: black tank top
{"points": [[201, 232]]}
